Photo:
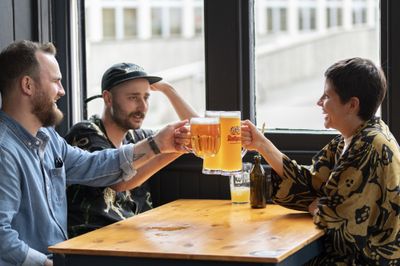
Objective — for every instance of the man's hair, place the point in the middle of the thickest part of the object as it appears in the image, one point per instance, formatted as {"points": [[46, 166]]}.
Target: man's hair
{"points": [[19, 59], [358, 77]]}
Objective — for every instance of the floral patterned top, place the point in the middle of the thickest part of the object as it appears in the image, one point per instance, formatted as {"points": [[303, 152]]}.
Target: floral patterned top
{"points": [[359, 196]]}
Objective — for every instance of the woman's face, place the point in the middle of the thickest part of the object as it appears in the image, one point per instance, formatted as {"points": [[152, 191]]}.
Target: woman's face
{"points": [[334, 110]]}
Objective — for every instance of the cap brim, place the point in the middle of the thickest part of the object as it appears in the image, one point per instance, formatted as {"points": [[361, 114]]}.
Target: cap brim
{"points": [[151, 79]]}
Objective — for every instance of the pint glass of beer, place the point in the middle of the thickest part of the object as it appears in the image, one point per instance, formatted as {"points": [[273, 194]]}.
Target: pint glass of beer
{"points": [[211, 164], [205, 136], [231, 143]]}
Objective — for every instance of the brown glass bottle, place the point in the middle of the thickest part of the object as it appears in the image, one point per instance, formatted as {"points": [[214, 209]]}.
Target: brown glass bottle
{"points": [[258, 184]]}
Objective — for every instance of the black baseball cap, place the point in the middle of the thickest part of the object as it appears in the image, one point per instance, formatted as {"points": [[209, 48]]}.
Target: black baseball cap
{"points": [[122, 72]]}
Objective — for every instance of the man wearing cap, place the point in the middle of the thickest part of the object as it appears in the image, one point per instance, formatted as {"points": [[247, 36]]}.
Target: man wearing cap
{"points": [[126, 88]]}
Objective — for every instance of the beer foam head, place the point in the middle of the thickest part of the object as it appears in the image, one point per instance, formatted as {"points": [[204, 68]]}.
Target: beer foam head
{"points": [[212, 113], [204, 120], [230, 114]]}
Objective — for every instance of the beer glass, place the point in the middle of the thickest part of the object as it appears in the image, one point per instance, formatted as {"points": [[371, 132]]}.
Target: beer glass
{"points": [[211, 164], [240, 185], [205, 136], [231, 143]]}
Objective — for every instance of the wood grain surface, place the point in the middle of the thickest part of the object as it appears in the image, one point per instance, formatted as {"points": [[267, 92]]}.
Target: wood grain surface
{"points": [[202, 230]]}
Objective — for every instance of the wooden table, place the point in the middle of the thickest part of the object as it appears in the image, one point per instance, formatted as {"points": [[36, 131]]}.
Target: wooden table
{"points": [[198, 232]]}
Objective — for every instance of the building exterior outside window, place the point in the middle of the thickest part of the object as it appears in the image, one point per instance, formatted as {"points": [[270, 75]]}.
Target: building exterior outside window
{"points": [[294, 40], [290, 65]]}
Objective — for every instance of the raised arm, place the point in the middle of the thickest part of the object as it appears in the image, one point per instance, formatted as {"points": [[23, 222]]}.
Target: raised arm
{"points": [[182, 108], [252, 139]]}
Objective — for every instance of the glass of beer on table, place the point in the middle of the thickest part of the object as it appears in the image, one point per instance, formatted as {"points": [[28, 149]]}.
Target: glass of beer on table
{"points": [[205, 136], [240, 185]]}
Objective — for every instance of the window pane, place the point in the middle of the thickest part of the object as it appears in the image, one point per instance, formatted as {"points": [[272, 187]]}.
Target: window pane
{"points": [[109, 23], [156, 22], [176, 21], [290, 66], [130, 25], [198, 20], [152, 23]]}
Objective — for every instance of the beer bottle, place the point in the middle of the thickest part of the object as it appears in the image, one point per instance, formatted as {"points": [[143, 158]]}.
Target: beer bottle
{"points": [[258, 184]]}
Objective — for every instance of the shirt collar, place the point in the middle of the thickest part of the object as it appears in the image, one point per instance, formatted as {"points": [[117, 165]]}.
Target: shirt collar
{"points": [[30, 141]]}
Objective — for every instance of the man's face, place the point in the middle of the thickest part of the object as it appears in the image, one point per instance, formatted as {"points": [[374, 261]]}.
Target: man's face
{"points": [[48, 91], [130, 103]]}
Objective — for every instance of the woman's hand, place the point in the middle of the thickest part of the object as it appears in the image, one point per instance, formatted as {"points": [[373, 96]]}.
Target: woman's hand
{"points": [[313, 207], [252, 138]]}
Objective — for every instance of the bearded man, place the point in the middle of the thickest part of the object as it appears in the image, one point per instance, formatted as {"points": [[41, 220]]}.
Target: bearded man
{"points": [[36, 163], [126, 90]]}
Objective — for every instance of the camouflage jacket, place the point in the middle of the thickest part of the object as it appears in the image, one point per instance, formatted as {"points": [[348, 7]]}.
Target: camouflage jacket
{"points": [[90, 208]]}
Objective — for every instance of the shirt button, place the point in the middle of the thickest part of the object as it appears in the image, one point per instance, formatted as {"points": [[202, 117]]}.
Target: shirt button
{"points": [[29, 144], [37, 142]]}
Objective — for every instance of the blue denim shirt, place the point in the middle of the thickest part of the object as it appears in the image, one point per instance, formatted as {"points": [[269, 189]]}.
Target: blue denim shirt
{"points": [[34, 172]]}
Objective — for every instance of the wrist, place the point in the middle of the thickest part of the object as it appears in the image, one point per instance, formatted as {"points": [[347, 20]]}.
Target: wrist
{"points": [[153, 145], [315, 211]]}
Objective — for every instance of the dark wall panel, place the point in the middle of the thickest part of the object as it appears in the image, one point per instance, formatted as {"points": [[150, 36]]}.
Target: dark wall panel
{"points": [[183, 179], [43, 30], [23, 20], [6, 23]]}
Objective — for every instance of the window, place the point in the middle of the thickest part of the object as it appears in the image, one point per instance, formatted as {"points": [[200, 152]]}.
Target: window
{"points": [[156, 22], [130, 24], [290, 66], [109, 23], [198, 21], [148, 33], [220, 16], [334, 17], [276, 19], [359, 14], [176, 21], [306, 19]]}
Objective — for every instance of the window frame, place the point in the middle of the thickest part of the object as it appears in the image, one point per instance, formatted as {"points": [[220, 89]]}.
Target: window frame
{"points": [[229, 63], [229, 66]]}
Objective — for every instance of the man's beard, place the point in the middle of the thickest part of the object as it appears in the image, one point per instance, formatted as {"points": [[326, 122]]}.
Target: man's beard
{"points": [[122, 120], [44, 109]]}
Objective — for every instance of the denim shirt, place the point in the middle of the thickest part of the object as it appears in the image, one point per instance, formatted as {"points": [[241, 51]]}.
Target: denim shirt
{"points": [[34, 172]]}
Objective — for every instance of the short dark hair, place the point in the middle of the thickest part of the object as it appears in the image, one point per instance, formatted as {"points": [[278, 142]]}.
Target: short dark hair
{"points": [[361, 78], [19, 59]]}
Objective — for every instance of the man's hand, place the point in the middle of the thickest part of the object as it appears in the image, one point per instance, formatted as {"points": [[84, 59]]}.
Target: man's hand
{"points": [[161, 86], [48, 263], [166, 140]]}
